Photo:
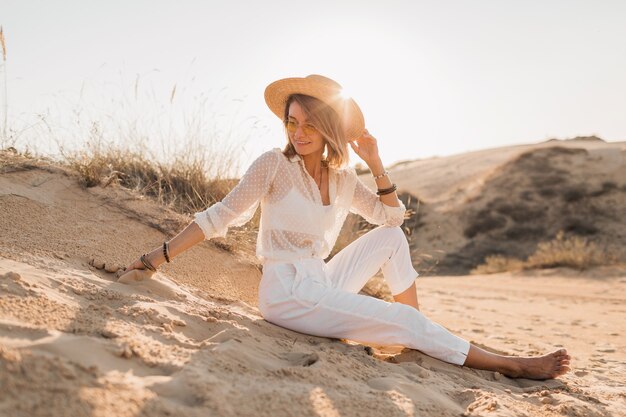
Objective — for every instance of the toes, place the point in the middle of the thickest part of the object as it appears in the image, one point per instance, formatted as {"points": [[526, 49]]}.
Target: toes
{"points": [[561, 369]]}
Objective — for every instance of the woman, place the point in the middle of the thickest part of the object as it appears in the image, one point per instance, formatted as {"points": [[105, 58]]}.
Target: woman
{"points": [[305, 192]]}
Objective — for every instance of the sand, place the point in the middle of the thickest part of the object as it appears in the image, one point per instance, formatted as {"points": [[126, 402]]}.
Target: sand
{"points": [[190, 341]]}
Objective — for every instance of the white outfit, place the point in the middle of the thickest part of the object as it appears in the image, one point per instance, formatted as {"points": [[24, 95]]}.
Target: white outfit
{"points": [[299, 290]]}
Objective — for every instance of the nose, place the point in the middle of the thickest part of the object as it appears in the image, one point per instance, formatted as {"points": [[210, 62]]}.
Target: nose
{"points": [[299, 133]]}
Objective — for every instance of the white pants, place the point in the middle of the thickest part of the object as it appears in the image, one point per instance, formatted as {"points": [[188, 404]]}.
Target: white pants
{"points": [[321, 299]]}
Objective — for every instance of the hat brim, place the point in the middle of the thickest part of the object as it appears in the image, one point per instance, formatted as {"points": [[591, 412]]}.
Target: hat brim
{"points": [[322, 88]]}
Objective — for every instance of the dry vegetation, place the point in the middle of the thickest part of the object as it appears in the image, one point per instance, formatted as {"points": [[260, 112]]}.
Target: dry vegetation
{"points": [[182, 184], [564, 251]]}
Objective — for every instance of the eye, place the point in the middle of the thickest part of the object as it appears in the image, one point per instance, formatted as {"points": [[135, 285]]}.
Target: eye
{"points": [[291, 125], [309, 129]]}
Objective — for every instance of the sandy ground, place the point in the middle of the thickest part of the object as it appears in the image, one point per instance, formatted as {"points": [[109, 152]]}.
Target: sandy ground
{"points": [[191, 341]]}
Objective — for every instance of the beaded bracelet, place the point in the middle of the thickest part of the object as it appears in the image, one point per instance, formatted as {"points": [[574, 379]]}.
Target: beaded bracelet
{"points": [[389, 190], [166, 252], [377, 177], [144, 260]]}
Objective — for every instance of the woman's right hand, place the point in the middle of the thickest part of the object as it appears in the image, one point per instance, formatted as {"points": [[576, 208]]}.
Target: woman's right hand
{"points": [[135, 272]]}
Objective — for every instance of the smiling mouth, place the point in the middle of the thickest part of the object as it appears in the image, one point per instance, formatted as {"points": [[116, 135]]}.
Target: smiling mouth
{"points": [[302, 143]]}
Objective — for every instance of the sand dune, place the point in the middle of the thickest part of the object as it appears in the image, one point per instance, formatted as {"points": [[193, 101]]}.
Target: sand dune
{"points": [[191, 341], [505, 201]]}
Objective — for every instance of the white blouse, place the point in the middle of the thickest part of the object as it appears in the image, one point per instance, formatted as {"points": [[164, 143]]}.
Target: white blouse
{"points": [[294, 222]]}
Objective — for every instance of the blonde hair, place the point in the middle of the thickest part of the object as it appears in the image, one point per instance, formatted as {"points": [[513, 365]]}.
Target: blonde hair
{"points": [[327, 122]]}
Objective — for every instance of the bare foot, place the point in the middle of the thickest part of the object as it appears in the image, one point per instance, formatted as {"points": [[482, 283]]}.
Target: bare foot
{"points": [[542, 367]]}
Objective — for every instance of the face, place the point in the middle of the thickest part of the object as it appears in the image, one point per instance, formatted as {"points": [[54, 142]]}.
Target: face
{"points": [[306, 139]]}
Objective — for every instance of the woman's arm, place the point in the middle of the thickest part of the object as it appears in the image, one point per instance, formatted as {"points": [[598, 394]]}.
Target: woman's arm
{"points": [[383, 182], [235, 209], [372, 208], [385, 209], [188, 237]]}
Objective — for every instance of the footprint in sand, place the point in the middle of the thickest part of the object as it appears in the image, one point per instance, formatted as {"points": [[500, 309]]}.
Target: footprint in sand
{"points": [[605, 350], [302, 359]]}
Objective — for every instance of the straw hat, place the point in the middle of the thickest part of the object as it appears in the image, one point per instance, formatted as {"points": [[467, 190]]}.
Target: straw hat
{"points": [[322, 88]]}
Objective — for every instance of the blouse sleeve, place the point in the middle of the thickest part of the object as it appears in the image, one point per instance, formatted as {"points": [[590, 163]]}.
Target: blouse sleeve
{"points": [[238, 207], [367, 204]]}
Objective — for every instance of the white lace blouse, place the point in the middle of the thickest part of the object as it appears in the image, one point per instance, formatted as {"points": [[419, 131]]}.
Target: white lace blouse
{"points": [[294, 222]]}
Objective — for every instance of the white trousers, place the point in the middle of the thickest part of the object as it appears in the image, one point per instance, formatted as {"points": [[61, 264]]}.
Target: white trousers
{"points": [[321, 299]]}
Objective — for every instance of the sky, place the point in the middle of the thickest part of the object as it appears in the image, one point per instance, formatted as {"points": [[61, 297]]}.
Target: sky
{"points": [[433, 78]]}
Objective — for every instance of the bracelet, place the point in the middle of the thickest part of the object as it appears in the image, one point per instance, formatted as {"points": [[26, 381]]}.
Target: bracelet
{"points": [[389, 190], [377, 177], [166, 251], [144, 260]]}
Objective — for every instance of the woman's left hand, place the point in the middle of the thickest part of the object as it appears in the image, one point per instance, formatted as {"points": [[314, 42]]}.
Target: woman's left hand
{"points": [[134, 272], [366, 148]]}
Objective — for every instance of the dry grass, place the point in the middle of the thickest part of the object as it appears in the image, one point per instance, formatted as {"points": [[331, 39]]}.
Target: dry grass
{"points": [[4, 101], [564, 251], [3, 45], [574, 252], [182, 184], [498, 263]]}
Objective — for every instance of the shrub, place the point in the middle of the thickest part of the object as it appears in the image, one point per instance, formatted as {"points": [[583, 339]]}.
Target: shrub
{"points": [[498, 263], [574, 252]]}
